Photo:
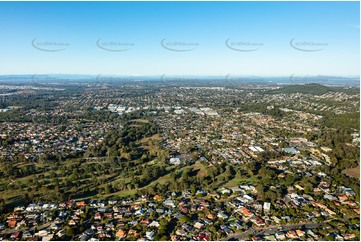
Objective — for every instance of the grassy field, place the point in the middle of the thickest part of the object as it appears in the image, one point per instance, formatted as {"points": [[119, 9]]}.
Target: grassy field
{"points": [[148, 142], [139, 121], [153, 137], [354, 172], [118, 194], [235, 182], [13, 191], [202, 170], [90, 177]]}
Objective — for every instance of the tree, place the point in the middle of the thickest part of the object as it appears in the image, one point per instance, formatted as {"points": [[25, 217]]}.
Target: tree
{"points": [[164, 238], [73, 190], [69, 232], [2, 204], [108, 189], [260, 191], [185, 219], [130, 186], [271, 195], [27, 199], [330, 238]]}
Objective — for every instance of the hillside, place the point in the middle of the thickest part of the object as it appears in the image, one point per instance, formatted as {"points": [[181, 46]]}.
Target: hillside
{"points": [[312, 88]]}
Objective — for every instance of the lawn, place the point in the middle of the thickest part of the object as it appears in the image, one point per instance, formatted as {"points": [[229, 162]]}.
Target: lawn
{"points": [[235, 182]]}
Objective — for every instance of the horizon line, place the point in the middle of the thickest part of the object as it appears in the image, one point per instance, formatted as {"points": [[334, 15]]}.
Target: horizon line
{"points": [[179, 75]]}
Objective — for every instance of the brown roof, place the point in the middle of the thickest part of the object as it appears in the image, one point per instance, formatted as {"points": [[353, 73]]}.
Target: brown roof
{"points": [[81, 204], [12, 223], [246, 212], [121, 233]]}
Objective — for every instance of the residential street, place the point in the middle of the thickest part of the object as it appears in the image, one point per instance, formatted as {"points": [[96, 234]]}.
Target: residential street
{"points": [[11, 231], [274, 229]]}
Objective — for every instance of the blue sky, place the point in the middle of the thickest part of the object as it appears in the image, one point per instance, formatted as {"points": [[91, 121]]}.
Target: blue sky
{"points": [[325, 38]]}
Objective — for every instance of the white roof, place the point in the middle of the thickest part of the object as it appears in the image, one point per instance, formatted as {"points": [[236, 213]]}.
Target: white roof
{"points": [[267, 206]]}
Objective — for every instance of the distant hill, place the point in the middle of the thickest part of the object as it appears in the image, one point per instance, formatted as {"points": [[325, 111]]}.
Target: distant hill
{"points": [[312, 88]]}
